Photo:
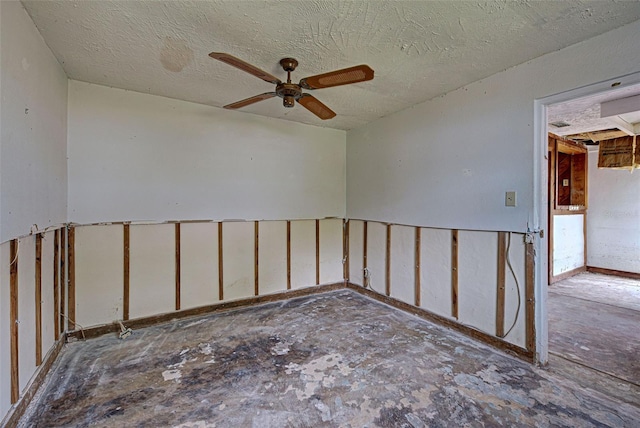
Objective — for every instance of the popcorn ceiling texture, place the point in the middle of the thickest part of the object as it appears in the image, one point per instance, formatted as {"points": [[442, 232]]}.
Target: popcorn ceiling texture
{"points": [[419, 49]]}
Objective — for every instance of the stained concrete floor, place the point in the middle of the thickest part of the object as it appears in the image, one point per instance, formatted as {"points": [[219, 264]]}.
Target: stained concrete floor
{"points": [[334, 359], [594, 320]]}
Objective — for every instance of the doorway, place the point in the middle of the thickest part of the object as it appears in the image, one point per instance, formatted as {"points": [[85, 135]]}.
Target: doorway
{"points": [[589, 305]]}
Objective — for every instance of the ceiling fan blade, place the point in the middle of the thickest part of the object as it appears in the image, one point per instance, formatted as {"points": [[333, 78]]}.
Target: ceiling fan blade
{"points": [[359, 73], [248, 101], [312, 104], [244, 66]]}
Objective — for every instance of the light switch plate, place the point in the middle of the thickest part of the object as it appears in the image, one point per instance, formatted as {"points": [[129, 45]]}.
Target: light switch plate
{"points": [[510, 199]]}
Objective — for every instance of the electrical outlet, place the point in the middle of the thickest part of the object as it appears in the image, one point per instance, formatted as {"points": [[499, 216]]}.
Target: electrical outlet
{"points": [[510, 199]]}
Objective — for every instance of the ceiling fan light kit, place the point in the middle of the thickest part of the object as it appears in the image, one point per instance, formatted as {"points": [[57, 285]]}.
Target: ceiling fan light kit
{"points": [[292, 92]]}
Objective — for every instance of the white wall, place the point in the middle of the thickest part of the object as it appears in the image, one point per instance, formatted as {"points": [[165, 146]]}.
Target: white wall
{"points": [[613, 219], [135, 157], [33, 122], [448, 162], [568, 243]]}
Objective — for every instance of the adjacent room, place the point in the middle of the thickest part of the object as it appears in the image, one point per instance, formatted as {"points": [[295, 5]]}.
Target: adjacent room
{"points": [[318, 213]]}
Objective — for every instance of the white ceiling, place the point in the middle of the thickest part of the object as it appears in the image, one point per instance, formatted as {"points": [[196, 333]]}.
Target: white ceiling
{"points": [[418, 49], [583, 114]]}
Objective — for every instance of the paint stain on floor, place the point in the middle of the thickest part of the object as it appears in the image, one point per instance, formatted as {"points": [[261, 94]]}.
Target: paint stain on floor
{"points": [[334, 359]]}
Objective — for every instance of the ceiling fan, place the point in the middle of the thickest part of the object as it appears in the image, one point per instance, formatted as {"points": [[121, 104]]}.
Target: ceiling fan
{"points": [[292, 92]]}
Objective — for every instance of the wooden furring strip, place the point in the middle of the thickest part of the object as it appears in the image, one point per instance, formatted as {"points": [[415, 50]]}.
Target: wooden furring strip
{"points": [[256, 270], [502, 258], [38, 300], [417, 301], [387, 269], [454, 273], [220, 264], [364, 248], [345, 249], [288, 255], [530, 329], [177, 243], [63, 278], [56, 284], [71, 255], [13, 319], [125, 272], [317, 252]]}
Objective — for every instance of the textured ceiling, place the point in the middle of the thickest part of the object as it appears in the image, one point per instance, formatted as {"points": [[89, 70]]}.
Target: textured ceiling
{"points": [[418, 49], [583, 114]]}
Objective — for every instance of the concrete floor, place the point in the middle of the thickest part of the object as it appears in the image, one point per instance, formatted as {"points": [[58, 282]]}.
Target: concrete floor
{"points": [[594, 320], [335, 359]]}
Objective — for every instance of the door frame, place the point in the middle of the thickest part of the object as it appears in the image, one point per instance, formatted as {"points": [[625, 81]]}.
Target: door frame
{"points": [[540, 191]]}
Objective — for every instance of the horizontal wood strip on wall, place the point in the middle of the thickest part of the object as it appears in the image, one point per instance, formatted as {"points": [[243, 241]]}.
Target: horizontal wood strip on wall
{"points": [[624, 274]]}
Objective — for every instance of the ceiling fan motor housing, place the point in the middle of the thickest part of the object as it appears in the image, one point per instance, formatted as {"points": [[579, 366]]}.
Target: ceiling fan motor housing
{"points": [[289, 92]]}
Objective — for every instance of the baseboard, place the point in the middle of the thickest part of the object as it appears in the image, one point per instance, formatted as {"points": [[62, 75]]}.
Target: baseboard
{"points": [[613, 272], [567, 274], [493, 341], [17, 410], [101, 330], [285, 295]]}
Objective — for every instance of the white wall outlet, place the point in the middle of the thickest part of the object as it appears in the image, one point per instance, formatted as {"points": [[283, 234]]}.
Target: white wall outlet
{"points": [[510, 199]]}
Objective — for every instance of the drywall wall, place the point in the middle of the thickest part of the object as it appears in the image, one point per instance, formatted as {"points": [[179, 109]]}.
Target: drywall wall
{"points": [[238, 249], [402, 263], [99, 255], [435, 271], [377, 256], [199, 280], [33, 123], [272, 257], [477, 272], [330, 247], [26, 311], [303, 253], [478, 279], [140, 157], [152, 269], [613, 220], [514, 313], [153, 259], [448, 162], [568, 243], [356, 251], [47, 293]]}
